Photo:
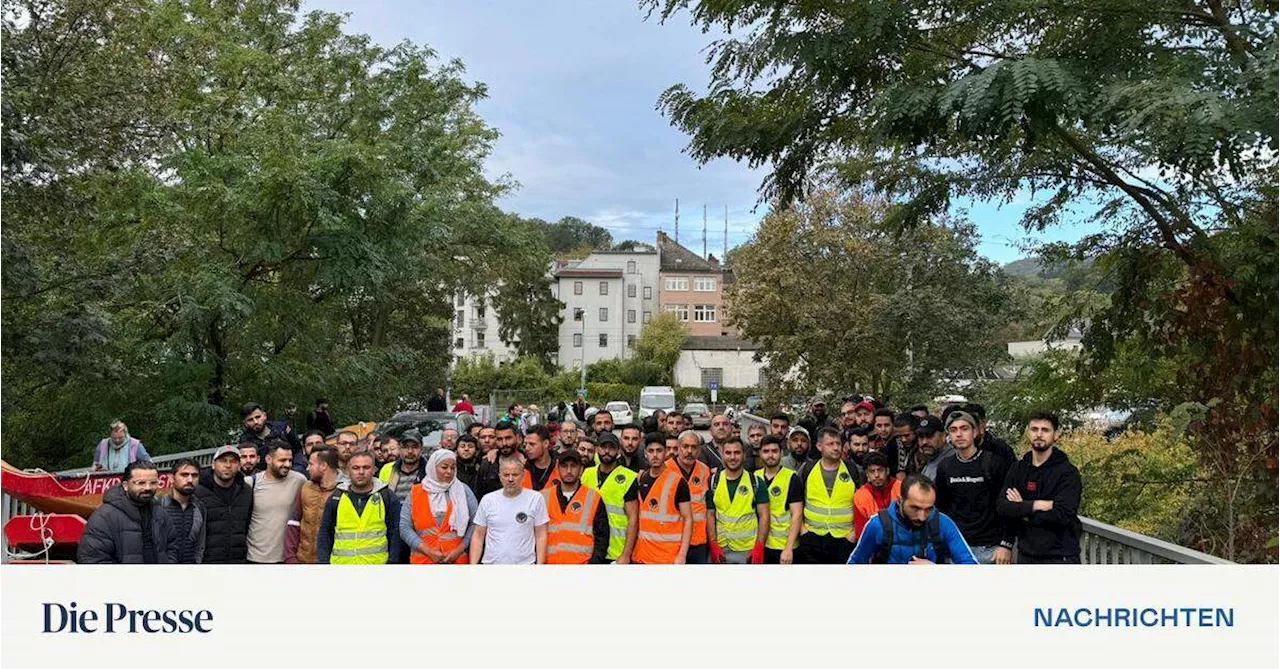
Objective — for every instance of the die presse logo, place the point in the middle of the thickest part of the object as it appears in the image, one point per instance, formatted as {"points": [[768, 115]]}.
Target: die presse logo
{"points": [[117, 618]]}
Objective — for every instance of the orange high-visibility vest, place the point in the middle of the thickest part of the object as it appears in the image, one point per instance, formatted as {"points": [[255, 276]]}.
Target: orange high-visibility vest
{"points": [[699, 482], [441, 537], [570, 539], [661, 526], [526, 480]]}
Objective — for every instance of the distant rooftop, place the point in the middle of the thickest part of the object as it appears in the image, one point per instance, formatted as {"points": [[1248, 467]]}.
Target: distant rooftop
{"points": [[676, 258], [701, 343], [589, 273]]}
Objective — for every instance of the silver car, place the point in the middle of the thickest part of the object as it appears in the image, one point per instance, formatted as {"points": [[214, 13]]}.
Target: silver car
{"points": [[699, 414]]}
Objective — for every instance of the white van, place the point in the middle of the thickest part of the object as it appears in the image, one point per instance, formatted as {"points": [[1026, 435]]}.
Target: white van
{"points": [[653, 398]]}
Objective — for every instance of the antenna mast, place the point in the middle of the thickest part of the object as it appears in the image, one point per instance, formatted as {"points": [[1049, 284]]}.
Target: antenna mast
{"points": [[677, 220], [704, 232]]}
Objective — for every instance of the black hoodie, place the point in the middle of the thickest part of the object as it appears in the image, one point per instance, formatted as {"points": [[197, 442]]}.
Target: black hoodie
{"points": [[1045, 534], [227, 514]]}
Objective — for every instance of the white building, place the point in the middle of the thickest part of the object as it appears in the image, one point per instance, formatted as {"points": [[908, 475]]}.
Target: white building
{"points": [[475, 330], [617, 293], [1024, 349], [728, 361]]}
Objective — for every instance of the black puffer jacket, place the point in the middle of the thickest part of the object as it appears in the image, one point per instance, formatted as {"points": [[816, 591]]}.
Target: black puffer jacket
{"points": [[113, 534], [227, 514]]}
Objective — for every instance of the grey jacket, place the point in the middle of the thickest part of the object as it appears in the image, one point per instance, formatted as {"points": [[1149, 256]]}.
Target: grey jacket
{"points": [[198, 530], [113, 534]]}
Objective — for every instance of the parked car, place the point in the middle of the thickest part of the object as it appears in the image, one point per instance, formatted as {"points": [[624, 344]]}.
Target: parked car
{"points": [[699, 413], [431, 424], [621, 412], [753, 403]]}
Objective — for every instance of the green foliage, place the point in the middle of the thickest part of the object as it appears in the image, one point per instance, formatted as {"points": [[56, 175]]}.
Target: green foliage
{"points": [[207, 204], [572, 234], [659, 343], [830, 290]]}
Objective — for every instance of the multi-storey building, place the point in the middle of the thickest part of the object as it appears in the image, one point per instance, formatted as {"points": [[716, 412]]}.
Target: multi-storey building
{"points": [[692, 288], [475, 329], [616, 292]]}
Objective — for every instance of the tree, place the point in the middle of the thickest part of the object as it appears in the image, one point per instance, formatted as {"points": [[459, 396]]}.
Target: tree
{"points": [[1160, 116], [529, 315], [571, 234], [660, 342], [208, 204], [828, 289]]}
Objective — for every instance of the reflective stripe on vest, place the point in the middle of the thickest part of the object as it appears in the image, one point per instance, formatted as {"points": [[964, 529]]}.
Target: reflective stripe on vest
{"points": [[736, 521], [613, 493], [438, 536], [661, 527], [360, 538], [699, 481], [779, 510], [570, 539], [830, 514]]}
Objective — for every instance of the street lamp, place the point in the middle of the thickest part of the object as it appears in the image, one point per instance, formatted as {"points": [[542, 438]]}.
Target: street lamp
{"points": [[580, 315]]}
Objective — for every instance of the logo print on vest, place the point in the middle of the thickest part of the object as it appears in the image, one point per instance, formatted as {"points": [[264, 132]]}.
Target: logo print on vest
{"points": [[775, 491], [844, 477], [742, 490], [574, 506], [653, 503], [620, 478], [375, 500], [522, 517], [697, 479]]}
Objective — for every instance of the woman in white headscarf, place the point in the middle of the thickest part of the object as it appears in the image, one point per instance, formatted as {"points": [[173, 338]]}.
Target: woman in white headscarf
{"points": [[436, 524]]}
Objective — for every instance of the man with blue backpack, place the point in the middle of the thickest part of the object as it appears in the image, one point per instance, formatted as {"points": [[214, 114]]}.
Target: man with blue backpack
{"points": [[912, 531]]}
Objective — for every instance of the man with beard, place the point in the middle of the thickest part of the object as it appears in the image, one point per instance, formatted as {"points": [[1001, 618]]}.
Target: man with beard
{"points": [[586, 447], [274, 492], [506, 442], [361, 520], [738, 516], [408, 470], [616, 484], [780, 425], [1042, 498], [698, 477], [260, 432], [348, 445], [540, 468], [969, 483], [786, 503], [468, 460], [755, 439], [931, 448], [324, 477], [864, 414], [602, 422], [799, 447], [487, 439], [568, 435], [578, 531], [817, 418], [829, 486], [673, 425], [665, 522], [228, 505], [721, 432], [859, 446], [249, 460], [185, 512], [904, 441], [632, 456], [130, 527], [882, 434], [912, 531], [881, 490]]}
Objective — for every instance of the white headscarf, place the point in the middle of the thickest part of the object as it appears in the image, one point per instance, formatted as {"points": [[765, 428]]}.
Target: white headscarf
{"points": [[441, 494]]}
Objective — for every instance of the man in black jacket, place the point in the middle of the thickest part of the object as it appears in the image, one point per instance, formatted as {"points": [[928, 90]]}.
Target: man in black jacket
{"points": [[228, 506], [130, 527], [260, 432], [985, 439], [969, 484], [1042, 497]]}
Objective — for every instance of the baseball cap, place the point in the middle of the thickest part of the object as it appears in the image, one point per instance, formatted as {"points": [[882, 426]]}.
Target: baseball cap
{"points": [[411, 435], [571, 455], [865, 405], [818, 399], [961, 415], [607, 438], [227, 450], [929, 425], [799, 430]]}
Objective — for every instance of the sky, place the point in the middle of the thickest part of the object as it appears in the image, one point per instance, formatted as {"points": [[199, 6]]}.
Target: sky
{"points": [[573, 87]]}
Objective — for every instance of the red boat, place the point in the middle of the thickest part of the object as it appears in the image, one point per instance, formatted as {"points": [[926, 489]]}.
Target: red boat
{"points": [[62, 493]]}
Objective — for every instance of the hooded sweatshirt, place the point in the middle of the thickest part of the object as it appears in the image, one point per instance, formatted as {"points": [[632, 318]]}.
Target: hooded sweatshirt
{"points": [[329, 521], [227, 514], [1045, 534]]}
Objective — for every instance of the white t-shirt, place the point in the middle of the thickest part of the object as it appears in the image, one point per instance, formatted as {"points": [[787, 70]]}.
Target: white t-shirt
{"points": [[509, 523]]}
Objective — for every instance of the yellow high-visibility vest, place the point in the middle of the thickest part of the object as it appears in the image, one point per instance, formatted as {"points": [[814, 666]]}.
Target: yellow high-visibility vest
{"points": [[829, 514], [612, 492], [360, 538], [736, 521], [779, 510]]}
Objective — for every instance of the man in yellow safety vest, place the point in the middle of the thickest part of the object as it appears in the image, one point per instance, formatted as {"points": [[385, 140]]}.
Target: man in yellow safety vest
{"points": [[360, 521], [829, 487], [738, 518], [617, 487]]}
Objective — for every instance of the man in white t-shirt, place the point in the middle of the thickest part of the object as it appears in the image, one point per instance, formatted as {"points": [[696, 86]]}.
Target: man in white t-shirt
{"points": [[511, 523]]}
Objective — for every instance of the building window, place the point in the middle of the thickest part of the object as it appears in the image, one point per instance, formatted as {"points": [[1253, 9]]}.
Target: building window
{"points": [[604, 314], [461, 317], [480, 313], [648, 315], [604, 287], [631, 315], [458, 343], [631, 341], [479, 340], [462, 300], [631, 290], [577, 340], [680, 310], [577, 287], [677, 283], [648, 292], [712, 374], [704, 313], [604, 341], [631, 267], [704, 284]]}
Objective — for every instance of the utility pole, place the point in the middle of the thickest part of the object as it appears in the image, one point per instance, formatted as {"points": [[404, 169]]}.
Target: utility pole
{"points": [[677, 220], [704, 232], [725, 257]]}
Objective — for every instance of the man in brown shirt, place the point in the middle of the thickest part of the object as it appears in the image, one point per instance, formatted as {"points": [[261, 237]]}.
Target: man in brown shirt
{"points": [[325, 475]]}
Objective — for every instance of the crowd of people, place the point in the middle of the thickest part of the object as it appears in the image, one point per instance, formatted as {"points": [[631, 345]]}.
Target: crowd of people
{"points": [[869, 485]]}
